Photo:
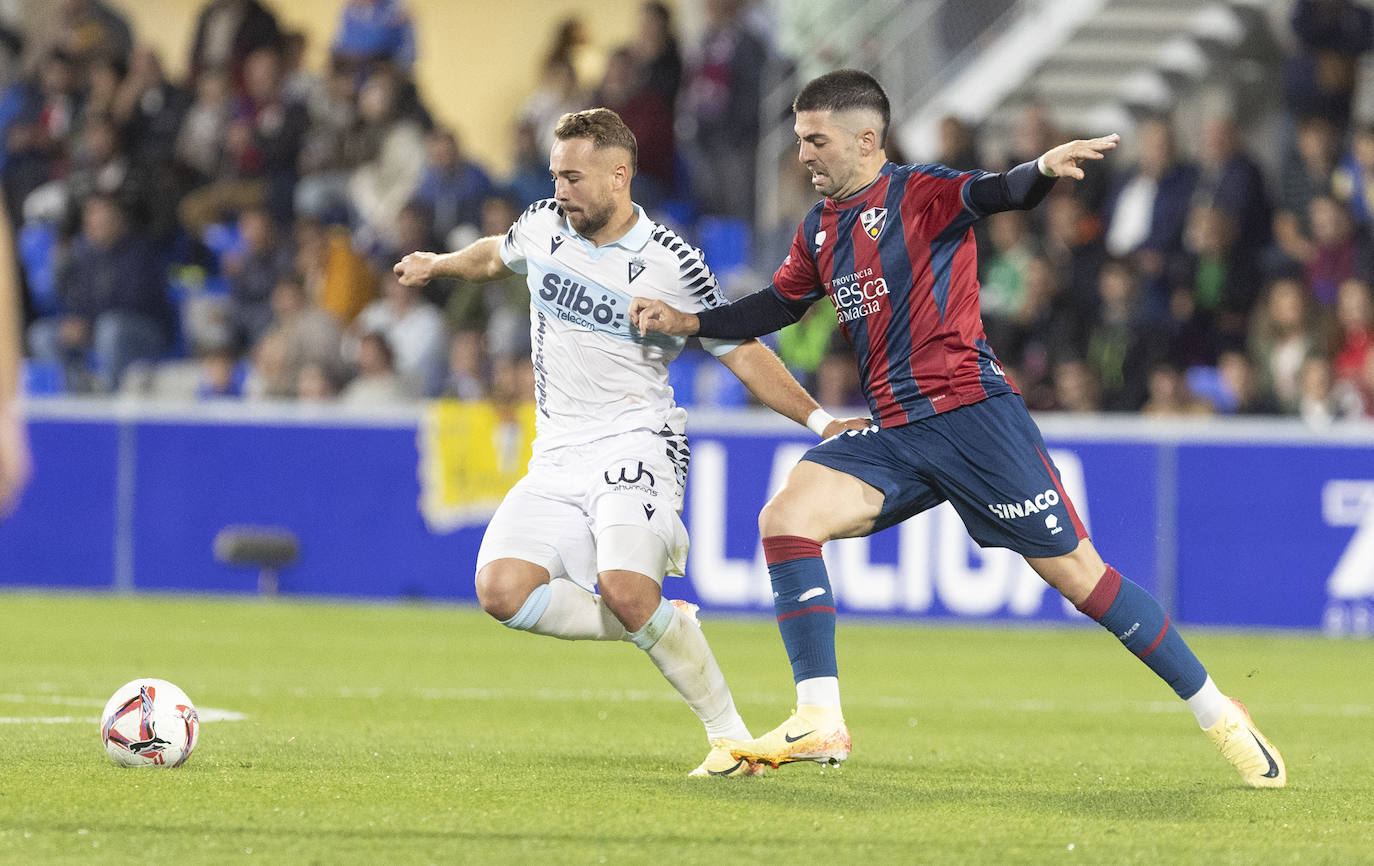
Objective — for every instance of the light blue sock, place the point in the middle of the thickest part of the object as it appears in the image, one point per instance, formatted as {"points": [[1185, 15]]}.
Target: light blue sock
{"points": [[530, 612], [652, 630]]}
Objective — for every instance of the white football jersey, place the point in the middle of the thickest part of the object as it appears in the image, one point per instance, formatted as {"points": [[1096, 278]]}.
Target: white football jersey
{"points": [[594, 374]]}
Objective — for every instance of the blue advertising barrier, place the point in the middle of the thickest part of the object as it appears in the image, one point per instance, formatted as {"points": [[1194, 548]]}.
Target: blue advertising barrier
{"points": [[1228, 523]]}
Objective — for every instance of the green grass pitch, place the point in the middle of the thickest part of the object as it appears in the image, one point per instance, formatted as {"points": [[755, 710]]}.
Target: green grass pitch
{"points": [[413, 734]]}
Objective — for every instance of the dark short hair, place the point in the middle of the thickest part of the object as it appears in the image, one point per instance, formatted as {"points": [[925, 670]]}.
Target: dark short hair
{"points": [[845, 90], [605, 129]]}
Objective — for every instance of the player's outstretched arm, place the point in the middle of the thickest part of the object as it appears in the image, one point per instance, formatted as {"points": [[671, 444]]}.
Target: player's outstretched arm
{"points": [[15, 461], [1063, 161], [764, 375], [478, 262], [654, 315]]}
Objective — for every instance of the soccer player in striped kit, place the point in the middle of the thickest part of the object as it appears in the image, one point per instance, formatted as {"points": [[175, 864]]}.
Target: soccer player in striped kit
{"points": [[892, 246]]}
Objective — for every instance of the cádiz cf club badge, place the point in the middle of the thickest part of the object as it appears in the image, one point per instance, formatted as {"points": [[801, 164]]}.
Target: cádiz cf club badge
{"points": [[873, 221], [636, 268]]}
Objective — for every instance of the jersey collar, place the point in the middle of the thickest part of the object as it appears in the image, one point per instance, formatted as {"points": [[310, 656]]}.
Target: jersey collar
{"points": [[633, 240], [861, 196]]}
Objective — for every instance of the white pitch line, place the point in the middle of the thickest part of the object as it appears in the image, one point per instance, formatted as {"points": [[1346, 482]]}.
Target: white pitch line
{"points": [[205, 714]]}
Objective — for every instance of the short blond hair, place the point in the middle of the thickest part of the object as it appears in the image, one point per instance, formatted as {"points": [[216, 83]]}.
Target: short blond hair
{"points": [[603, 127]]}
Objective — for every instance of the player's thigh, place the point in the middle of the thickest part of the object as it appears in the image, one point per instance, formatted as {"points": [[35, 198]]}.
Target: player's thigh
{"points": [[821, 503], [535, 524], [634, 490], [989, 460]]}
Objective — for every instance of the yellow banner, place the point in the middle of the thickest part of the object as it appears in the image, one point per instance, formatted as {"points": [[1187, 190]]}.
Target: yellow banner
{"points": [[471, 454]]}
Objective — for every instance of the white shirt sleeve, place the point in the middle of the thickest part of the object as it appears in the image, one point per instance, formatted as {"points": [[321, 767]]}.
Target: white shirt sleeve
{"points": [[702, 292], [513, 245]]}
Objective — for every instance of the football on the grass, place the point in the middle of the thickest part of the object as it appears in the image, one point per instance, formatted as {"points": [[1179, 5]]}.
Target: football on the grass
{"points": [[149, 723]]}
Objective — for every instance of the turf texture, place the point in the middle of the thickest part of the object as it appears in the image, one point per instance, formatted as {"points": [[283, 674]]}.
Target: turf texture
{"points": [[429, 734]]}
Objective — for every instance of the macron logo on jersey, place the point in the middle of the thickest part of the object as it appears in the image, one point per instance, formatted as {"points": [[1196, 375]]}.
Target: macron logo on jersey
{"points": [[554, 243]]}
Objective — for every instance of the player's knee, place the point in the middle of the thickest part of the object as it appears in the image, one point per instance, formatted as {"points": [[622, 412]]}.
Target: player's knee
{"points": [[499, 592], [781, 517]]}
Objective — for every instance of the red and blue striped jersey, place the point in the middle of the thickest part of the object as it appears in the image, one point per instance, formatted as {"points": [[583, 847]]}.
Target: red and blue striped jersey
{"points": [[900, 264]]}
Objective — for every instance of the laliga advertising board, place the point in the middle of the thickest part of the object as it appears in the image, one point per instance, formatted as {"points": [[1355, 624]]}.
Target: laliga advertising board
{"points": [[1235, 524], [926, 566]]}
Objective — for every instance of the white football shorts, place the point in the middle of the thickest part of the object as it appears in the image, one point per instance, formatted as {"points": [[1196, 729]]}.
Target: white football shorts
{"points": [[553, 516]]}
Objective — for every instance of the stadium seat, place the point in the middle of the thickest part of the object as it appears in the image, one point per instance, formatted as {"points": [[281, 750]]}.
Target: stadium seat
{"points": [[1206, 382], [44, 378], [37, 242], [725, 241], [682, 377]]}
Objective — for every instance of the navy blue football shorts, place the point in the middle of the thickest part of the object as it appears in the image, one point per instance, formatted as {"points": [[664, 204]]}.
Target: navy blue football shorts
{"points": [[987, 459]]}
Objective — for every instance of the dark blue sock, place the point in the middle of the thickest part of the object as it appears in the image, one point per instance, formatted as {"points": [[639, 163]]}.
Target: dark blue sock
{"points": [[1137, 620], [804, 604]]}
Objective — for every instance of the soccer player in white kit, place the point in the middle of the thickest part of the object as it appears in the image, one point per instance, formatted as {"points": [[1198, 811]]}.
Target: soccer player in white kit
{"points": [[600, 505]]}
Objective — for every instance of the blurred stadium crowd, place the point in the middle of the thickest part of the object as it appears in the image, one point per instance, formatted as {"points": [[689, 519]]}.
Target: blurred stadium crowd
{"points": [[231, 235]]}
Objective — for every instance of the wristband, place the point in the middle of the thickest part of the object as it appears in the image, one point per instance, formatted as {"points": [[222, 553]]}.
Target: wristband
{"points": [[818, 420]]}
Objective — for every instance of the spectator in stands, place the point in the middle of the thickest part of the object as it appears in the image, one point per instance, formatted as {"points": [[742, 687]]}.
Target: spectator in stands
{"points": [[1354, 335], [958, 149], [658, 54], [1121, 343], [1147, 207], [253, 271], [337, 279], [1076, 388], [36, 138], [1240, 381], [377, 382], [1284, 334], [198, 148], [1003, 271], [414, 331], [1043, 331], [1353, 180], [557, 94], [803, 345], [452, 187], [529, 180], [97, 167], [500, 308], [722, 103], [262, 147], [266, 378], [623, 91], [149, 111], [1073, 245], [1170, 395], [415, 231], [330, 149], [227, 32], [88, 31], [1231, 180], [572, 45], [1307, 175], [467, 375], [1319, 81], [1221, 279], [382, 185], [837, 378], [220, 376], [375, 31], [317, 383], [309, 334], [1339, 250], [114, 307]]}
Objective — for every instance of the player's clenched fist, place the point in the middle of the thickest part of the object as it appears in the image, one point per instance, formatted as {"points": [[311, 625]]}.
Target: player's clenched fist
{"points": [[653, 315], [416, 269]]}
